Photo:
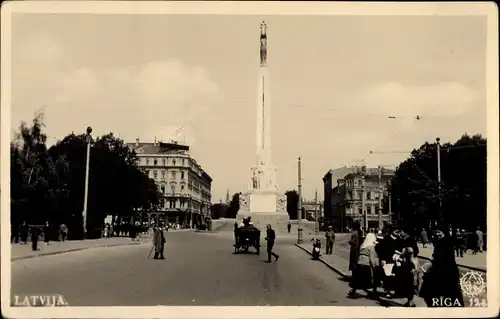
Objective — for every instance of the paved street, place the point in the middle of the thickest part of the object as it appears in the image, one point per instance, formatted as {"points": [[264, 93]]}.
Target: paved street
{"points": [[200, 269]]}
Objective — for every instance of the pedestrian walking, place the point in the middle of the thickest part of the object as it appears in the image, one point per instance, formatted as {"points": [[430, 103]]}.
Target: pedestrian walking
{"points": [[289, 227], [479, 238], [330, 238], [35, 232], [14, 233], [390, 246], [159, 242], [46, 233], [441, 278], [270, 238], [64, 231], [424, 238], [465, 240], [355, 244], [24, 233], [459, 243], [409, 277], [363, 274]]}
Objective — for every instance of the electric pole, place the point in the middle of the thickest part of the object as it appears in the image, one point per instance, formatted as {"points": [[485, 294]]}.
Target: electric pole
{"points": [[365, 215], [438, 149], [316, 226], [380, 194], [300, 239], [86, 195]]}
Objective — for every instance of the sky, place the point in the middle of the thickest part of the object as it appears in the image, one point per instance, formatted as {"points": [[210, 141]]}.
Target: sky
{"points": [[334, 82]]}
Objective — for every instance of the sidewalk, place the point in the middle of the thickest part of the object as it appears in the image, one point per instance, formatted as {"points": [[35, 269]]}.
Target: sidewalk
{"points": [[339, 262], [474, 262], [19, 251]]}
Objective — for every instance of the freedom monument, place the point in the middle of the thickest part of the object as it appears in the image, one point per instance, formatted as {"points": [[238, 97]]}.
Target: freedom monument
{"points": [[262, 201]]}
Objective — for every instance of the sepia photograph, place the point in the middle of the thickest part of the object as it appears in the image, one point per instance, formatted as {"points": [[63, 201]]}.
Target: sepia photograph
{"points": [[186, 154]]}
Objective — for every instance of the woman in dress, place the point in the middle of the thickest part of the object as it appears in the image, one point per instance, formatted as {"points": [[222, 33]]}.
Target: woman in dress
{"points": [[363, 275]]}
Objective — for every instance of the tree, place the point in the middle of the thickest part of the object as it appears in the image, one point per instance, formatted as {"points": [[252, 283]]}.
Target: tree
{"points": [[35, 176], [416, 193], [234, 206], [292, 203], [50, 184], [219, 210]]}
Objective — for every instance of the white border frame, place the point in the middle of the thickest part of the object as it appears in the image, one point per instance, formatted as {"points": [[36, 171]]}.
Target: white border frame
{"points": [[259, 8]]}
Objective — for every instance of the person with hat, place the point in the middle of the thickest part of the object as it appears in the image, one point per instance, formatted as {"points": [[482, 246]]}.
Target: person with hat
{"points": [[330, 238], [159, 242]]}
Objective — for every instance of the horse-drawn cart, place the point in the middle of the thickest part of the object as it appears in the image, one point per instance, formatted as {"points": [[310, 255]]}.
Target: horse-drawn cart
{"points": [[246, 237]]}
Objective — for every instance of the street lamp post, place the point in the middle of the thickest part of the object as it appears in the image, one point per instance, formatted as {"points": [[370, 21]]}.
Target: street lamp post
{"points": [[363, 210], [380, 194], [300, 239], [87, 166]]}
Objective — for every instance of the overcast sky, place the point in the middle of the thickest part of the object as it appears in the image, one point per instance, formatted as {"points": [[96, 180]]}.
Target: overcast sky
{"points": [[334, 82]]}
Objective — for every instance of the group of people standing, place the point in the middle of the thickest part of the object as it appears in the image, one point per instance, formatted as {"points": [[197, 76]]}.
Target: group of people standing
{"points": [[389, 260], [21, 233]]}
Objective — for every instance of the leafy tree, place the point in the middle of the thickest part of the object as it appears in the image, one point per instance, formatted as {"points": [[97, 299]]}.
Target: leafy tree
{"points": [[50, 184], [219, 210], [234, 206], [292, 203], [417, 195]]}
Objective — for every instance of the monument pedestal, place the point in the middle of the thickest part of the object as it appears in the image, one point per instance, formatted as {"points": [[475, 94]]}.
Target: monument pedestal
{"points": [[264, 207]]}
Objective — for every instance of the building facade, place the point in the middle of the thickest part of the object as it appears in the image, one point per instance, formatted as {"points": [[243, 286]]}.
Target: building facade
{"points": [[362, 190], [184, 186], [329, 183], [311, 209]]}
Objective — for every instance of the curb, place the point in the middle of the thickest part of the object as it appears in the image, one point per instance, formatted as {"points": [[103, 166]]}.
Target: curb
{"points": [[344, 275], [325, 263], [75, 249]]}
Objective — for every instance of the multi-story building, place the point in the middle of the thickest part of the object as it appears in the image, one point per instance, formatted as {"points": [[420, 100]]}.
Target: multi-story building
{"points": [[329, 183], [184, 186], [360, 191]]}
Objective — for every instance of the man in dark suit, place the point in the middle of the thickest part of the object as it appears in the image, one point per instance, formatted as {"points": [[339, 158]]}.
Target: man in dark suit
{"points": [[270, 238], [159, 242]]}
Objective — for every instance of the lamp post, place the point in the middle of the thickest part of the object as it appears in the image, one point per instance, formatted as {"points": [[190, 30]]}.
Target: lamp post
{"points": [[363, 209], [300, 239], [438, 149], [87, 166]]}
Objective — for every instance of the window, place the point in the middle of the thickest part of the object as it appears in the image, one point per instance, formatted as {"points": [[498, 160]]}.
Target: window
{"points": [[182, 189], [182, 175], [155, 174], [147, 161], [172, 203], [163, 174], [360, 211], [174, 175], [368, 195], [162, 189], [173, 162], [173, 189], [164, 162], [183, 162], [155, 162]]}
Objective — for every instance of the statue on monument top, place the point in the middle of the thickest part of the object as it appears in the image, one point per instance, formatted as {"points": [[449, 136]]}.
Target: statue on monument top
{"points": [[263, 44]]}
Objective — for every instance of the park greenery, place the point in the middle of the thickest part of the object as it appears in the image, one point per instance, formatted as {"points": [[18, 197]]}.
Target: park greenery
{"points": [[48, 183], [458, 201]]}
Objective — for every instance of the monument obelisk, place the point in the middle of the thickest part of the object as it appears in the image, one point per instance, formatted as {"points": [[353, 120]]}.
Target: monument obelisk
{"points": [[262, 201]]}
